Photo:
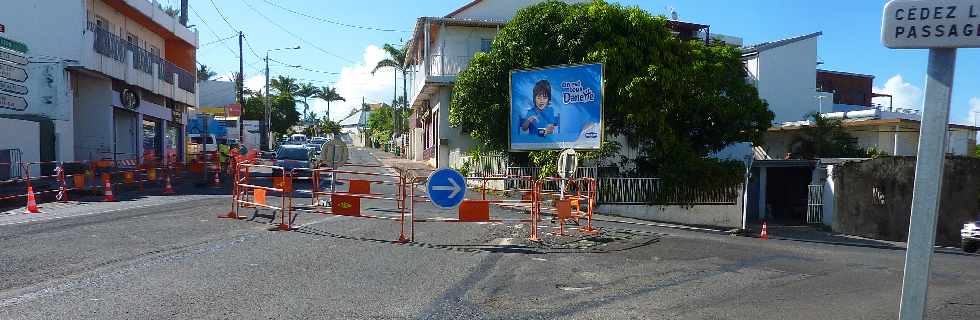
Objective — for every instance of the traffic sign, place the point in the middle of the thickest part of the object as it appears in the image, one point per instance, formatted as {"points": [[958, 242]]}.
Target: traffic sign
{"points": [[922, 24], [13, 102], [446, 188], [12, 73], [12, 88], [12, 57]]}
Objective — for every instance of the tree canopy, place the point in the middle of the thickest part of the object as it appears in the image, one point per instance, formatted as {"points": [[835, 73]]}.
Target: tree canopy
{"points": [[284, 114], [825, 138], [676, 101]]}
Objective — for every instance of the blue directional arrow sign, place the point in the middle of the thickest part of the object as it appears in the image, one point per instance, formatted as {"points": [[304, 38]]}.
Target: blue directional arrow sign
{"points": [[446, 188]]}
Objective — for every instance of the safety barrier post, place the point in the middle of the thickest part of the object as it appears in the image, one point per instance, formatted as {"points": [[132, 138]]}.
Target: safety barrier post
{"points": [[401, 207], [233, 213], [592, 193]]}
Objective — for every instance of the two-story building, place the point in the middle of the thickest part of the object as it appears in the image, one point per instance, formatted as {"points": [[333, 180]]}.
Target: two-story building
{"points": [[112, 79], [441, 47]]}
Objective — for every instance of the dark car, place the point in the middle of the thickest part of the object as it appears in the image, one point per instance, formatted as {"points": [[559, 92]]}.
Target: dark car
{"points": [[295, 157]]}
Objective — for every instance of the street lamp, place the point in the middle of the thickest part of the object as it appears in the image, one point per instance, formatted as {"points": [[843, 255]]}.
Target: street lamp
{"points": [[267, 131]]}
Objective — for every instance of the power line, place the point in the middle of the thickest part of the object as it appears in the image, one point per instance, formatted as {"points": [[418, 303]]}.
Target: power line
{"points": [[303, 68], [270, 21], [222, 15], [325, 20], [215, 34], [216, 41]]}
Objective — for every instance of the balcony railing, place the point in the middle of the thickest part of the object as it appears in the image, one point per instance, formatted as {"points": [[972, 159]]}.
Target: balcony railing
{"points": [[113, 46]]}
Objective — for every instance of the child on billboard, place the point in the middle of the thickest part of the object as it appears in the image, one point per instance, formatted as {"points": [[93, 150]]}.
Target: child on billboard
{"points": [[541, 118]]}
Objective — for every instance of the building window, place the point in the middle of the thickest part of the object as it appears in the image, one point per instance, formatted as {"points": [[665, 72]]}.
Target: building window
{"points": [[486, 45], [133, 39]]}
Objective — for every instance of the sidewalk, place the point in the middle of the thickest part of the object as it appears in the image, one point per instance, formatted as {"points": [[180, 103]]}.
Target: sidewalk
{"points": [[392, 160]]}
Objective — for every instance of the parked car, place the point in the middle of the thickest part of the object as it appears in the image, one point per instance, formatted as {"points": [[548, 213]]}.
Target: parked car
{"points": [[970, 235]]}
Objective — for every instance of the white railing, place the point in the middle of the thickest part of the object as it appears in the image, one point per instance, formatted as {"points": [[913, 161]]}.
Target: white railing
{"points": [[447, 66]]}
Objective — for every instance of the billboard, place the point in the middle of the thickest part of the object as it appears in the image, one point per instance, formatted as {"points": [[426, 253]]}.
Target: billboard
{"points": [[556, 108]]}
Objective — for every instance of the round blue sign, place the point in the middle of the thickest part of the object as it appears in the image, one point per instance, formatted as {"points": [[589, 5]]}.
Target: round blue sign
{"points": [[446, 188]]}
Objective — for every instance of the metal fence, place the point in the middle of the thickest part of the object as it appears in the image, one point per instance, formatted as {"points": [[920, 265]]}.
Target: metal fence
{"points": [[651, 191], [814, 204]]}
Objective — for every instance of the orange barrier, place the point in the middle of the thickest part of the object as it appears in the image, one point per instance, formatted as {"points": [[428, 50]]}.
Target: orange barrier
{"points": [[248, 193], [477, 210], [358, 189]]}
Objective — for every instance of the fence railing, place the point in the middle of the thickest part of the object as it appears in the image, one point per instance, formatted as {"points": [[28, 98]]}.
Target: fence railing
{"points": [[651, 191], [113, 46]]}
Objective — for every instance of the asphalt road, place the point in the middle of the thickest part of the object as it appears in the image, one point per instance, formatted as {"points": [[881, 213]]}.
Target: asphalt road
{"points": [[175, 260]]}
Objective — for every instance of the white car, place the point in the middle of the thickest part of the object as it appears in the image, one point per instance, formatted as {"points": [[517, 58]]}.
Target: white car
{"points": [[970, 235]]}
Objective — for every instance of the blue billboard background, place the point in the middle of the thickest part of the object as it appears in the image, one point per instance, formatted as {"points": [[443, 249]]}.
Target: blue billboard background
{"points": [[556, 108]]}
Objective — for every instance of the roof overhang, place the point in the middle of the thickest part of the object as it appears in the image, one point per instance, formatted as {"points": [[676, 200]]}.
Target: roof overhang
{"points": [[418, 33]]}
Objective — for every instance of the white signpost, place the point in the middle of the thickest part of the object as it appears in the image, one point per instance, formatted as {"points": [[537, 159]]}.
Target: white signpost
{"points": [[940, 26]]}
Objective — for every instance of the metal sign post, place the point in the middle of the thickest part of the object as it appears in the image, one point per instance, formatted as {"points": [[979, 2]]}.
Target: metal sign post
{"points": [[567, 165], [928, 183], [940, 26]]}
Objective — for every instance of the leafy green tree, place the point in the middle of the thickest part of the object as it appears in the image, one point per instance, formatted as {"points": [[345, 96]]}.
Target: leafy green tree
{"points": [[306, 91], [328, 94], [204, 73], [396, 60], [825, 138], [676, 101], [284, 114], [284, 85], [380, 125]]}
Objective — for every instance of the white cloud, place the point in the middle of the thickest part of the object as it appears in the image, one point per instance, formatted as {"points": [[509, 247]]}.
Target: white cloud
{"points": [[905, 95], [973, 115], [356, 82]]}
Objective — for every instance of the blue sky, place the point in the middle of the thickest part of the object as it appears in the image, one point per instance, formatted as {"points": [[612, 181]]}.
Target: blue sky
{"points": [[342, 56]]}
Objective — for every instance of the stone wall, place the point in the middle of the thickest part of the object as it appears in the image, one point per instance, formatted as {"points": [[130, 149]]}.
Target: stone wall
{"points": [[874, 197]]}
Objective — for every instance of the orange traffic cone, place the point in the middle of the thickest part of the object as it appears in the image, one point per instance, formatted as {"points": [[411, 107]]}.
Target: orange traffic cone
{"points": [[31, 202], [168, 189], [765, 232], [108, 192]]}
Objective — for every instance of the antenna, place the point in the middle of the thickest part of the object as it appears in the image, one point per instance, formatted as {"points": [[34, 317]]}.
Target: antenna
{"points": [[673, 13]]}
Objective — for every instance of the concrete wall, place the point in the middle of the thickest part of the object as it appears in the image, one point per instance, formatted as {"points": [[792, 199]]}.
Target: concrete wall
{"points": [[24, 136], [873, 198], [458, 142], [786, 79], [93, 118], [725, 216]]}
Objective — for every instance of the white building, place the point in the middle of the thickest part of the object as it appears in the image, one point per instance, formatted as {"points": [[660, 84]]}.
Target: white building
{"points": [[785, 73], [86, 58], [441, 47]]}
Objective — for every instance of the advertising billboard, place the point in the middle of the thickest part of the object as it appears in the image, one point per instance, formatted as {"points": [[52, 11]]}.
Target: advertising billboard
{"points": [[556, 108]]}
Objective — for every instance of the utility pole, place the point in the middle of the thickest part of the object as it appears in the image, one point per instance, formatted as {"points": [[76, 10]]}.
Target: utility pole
{"points": [[267, 125], [241, 89]]}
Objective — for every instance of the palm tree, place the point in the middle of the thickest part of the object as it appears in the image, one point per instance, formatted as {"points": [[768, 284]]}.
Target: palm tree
{"points": [[306, 91], [329, 94], [396, 61], [824, 138], [204, 73], [285, 86]]}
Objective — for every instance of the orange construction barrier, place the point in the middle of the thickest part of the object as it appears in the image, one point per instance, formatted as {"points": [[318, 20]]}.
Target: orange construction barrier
{"points": [[243, 187]]}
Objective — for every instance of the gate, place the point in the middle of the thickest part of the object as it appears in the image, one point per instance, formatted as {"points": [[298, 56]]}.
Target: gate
{"points": [[814, 204]]}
